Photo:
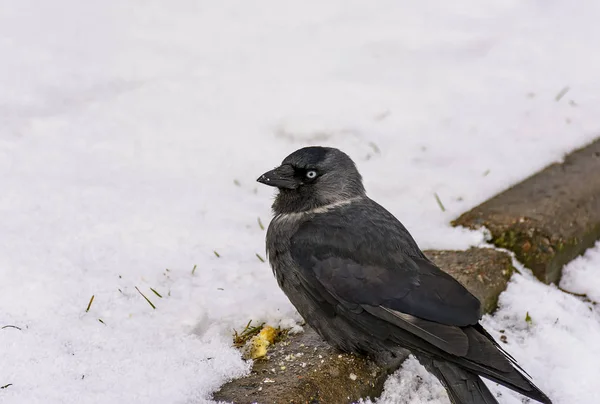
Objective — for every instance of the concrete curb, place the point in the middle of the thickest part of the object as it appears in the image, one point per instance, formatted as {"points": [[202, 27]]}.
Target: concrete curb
{"points": [[549, 218], [305, 369]]}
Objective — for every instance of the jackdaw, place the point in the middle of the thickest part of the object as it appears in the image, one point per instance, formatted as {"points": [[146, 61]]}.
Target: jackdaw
{"points": [[356, 276]]}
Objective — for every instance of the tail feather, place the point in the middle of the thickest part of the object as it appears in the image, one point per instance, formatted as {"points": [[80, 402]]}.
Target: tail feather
{"points": [[516, 379], [511, 381], [463, 387], [512, 360]]}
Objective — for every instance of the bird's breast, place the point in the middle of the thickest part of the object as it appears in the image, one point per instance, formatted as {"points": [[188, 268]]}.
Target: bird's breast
{"points": [[278, 241]]}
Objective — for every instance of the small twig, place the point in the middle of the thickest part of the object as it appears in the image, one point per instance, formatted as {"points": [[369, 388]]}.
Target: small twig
{"points": [[11, 326], [572, 293], [6, 385], [582, 296], [90, 304], [194, 269], [441, 205], [101, 321], [144, 296], [260, 258], [156, 293], [216, 253]]}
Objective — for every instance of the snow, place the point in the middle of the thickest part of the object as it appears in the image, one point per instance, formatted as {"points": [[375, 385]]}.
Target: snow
{"points": [[131, 135], [581, 275]]}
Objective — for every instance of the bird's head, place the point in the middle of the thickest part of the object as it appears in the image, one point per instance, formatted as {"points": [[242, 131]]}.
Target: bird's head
{"points": [[312, 177]]}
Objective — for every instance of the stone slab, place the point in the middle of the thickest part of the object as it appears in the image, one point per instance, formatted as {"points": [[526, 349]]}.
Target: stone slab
{"points": [[305, 369], [549, 218]]}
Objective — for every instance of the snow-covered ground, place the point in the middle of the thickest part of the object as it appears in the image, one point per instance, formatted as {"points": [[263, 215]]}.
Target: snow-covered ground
{"points": [[131, 134]]}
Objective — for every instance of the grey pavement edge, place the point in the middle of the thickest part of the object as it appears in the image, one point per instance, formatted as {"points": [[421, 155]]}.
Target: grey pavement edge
{"points": [[548, 219]]}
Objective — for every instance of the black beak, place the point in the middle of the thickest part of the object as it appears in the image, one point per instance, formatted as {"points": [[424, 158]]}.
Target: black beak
{"points": [[281, 177]]}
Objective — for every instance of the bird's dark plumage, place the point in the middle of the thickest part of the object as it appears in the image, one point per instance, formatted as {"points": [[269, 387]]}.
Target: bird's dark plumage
{"points": [[357, 276]]}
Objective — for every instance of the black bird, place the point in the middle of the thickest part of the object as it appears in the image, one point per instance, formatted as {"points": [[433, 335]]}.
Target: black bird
{"points": [[356, 276]]}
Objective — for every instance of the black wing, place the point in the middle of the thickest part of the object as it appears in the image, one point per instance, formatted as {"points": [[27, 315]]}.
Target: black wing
{"points": [[379, 264], [371, 264]]}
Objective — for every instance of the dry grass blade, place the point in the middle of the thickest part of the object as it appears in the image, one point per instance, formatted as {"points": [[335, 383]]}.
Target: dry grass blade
{"points": [[11, 326], [216, 253], [194, 269], [239, 339], [260, 258], [90, 303], [144, 296], [439, 202], [282, 334], [372, 144], [249, 331], [156, 293], [262, 227], [562, 93], [6, 385]]}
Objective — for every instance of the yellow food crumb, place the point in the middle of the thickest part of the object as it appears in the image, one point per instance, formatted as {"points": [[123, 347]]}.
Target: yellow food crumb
{"points": [[268, 333], [257, 346]]}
